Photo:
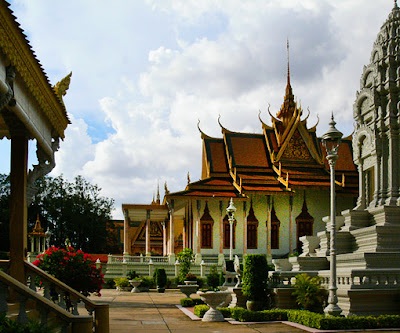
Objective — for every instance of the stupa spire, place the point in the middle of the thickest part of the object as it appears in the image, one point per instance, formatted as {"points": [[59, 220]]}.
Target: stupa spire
{"points": [[158, 193]]}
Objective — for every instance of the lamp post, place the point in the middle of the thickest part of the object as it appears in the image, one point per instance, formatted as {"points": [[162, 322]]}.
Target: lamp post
{"points": [[231, 218], [331, 141]]}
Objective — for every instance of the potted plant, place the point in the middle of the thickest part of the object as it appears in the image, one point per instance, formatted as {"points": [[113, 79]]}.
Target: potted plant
{"points": [[122, 284], [135, 283], [255, 282], [309, 293], [190, 279], [160, 279]]}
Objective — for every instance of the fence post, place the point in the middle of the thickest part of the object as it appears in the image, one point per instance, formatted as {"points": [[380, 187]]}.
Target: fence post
{"points": [[151, 267], [141, 258], [176, 268], [202, 269], [98, 263], [102, 318]]}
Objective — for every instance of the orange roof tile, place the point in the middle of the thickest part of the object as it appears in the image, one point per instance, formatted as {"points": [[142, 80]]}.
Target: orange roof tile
{"points": [[247, 150], [217, 156]]}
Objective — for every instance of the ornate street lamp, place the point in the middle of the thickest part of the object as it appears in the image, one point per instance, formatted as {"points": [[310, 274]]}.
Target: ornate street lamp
{"points": [[331, 141], [231, 218]]}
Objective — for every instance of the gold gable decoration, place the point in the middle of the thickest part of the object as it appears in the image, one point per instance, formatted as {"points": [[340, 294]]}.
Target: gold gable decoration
{"points": [[297, 150]]}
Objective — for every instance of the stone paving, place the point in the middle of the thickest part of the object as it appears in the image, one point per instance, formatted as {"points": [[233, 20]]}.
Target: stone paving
{"points": [[153, 312]]}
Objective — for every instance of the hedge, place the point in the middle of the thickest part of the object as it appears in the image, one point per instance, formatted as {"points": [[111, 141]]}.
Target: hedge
{"points": [[189, 302], [316, 320]]}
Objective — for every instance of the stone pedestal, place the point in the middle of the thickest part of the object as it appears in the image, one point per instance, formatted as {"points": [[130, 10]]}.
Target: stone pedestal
{"points": [[238, 299]]}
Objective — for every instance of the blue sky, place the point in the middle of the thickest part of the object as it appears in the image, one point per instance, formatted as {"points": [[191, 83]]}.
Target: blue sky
{"points": [[144, 72]]}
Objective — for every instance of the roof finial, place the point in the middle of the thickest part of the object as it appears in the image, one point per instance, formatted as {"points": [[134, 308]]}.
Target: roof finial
{"points": [[395, 3], [288, 67], [158, 192]]}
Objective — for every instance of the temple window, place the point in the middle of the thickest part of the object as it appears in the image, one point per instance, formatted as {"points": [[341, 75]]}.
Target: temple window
{"points": [[369, 185], [227, 233], [252, 229], [275, 224], [206, 227], [304, 225]]}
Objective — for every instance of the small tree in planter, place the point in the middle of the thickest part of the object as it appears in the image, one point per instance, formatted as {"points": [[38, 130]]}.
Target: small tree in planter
{"points": [[255, 282], [185, 258], [213, 278], [160, 279], [309, 293]]}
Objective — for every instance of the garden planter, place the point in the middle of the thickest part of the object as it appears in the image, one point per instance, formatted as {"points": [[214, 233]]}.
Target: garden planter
{"points": [[190, 283], [214, 299], [188, 289], [135, 284]]}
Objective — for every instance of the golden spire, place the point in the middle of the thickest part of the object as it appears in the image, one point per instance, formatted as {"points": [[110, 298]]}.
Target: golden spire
{"points": [[188, 178], [288, 106], [158, 193]]}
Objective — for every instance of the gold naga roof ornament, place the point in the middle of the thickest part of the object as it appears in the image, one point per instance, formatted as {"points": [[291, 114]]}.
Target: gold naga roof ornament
{"points": [[62, 86]]}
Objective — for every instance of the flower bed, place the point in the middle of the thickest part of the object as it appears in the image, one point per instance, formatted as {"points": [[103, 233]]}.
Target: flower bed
{"points": [[73, 267]]}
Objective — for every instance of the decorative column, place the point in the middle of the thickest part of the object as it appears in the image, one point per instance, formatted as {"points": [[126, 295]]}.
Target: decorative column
{"points": [[147, 249], [126, 233], [198, 227], [171, 229], [18, 207], [290, 224], [331, 141], [221, 229], [269, 252], [245, 227], [164, 238]]}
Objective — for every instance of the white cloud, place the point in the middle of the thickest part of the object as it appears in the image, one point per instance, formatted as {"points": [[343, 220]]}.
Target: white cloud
{"points": [[143, 76]]}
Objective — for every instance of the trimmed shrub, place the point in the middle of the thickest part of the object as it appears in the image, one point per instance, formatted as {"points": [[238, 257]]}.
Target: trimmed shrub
{"points": [[255, 279], [200, 310], [187, 302], [213, 277], [131, 275], [160, 278]]}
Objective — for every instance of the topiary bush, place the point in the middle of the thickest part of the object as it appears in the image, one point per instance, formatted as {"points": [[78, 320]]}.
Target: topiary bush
{"points": [[185, 258], [213, 278], [255, 279], [160, 277]]}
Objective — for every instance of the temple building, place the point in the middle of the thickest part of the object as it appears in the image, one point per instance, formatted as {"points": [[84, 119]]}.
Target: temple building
{"points": [[279, 181]]}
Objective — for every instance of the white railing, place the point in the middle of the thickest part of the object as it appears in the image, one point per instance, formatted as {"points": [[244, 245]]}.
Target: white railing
{"points": [[136, 259]]}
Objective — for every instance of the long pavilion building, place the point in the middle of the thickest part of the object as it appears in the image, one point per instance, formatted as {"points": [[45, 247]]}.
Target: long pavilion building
{"points": [[279, 181]]}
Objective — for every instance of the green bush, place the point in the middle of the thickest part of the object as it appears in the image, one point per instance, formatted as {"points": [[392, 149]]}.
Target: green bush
{"points": [[213, 277], [131, 275], [147, 283], [185, 258], [317, 320], [200, 310], [160, 278], [109, 283], [187, 302], [309, 293], [122, 282], [200, 282], [255, 279]]}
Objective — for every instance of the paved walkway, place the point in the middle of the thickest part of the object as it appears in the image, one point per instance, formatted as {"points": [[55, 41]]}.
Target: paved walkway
{"points": [[157, 313]]}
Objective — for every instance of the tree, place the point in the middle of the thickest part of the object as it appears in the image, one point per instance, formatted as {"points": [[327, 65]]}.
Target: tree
{"points": [[75, 211], [4, 212]]}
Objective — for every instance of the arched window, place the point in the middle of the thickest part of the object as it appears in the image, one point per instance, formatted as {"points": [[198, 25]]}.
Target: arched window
{"points": [[252, 229], [206, 227], [304, 225], [227, 233], [275, 224]]}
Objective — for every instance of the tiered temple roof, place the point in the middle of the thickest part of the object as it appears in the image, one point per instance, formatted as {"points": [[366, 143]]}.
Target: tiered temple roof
{"points": [[286, 157]]}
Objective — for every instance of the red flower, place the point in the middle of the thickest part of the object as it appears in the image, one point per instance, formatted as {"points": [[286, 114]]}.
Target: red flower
{"points": [[36, 262]]}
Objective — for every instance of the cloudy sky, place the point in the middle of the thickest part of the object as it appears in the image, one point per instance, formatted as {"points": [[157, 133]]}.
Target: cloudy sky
{"points": [[144, 72]]}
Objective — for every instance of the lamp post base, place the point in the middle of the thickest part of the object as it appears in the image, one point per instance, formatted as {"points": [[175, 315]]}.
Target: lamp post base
{"points": [[333, 310]]}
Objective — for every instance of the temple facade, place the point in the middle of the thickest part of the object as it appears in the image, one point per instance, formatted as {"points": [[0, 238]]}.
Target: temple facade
{"points": [[279, 181]]}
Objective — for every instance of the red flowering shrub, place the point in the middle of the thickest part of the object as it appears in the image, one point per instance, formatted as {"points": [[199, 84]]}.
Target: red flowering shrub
{"points": [[74, 268]]}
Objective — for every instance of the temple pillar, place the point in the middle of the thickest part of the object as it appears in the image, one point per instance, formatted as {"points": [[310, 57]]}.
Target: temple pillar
{"points": [[198, 248], [147, 246], [290, 224], [244, 227], [171, 229], [18, 206], [269, 252], [126, 233], [164, 238], [221, 228]]}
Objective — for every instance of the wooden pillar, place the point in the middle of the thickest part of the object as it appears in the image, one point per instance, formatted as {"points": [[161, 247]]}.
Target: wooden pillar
{"points": [[18, 207], [147, 249], [126, 232]]}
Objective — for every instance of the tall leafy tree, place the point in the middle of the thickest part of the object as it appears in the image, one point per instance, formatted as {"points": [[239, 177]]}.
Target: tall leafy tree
{"points": [[71, 210]]}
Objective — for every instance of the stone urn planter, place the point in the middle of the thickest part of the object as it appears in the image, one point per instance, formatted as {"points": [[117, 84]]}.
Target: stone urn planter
{"points": [[188, 289], [135, 284], [214, 299], [190, 283]]}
